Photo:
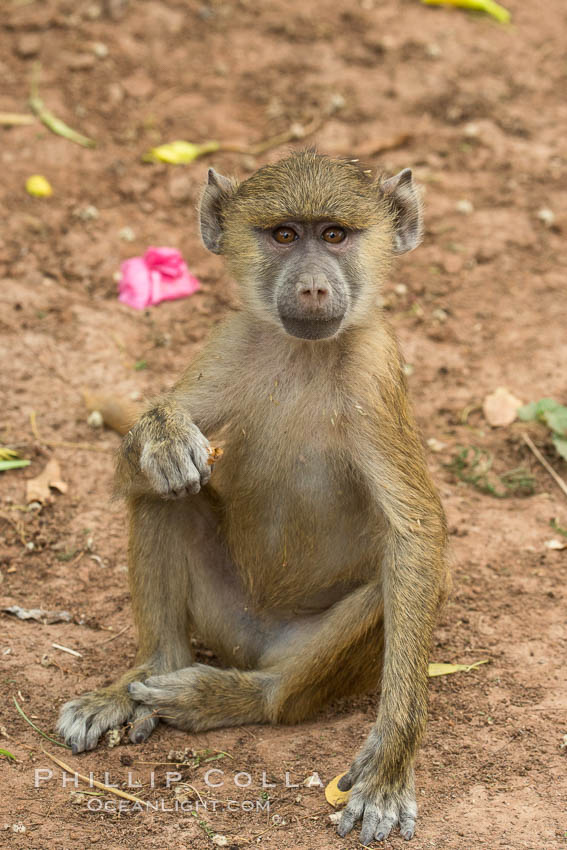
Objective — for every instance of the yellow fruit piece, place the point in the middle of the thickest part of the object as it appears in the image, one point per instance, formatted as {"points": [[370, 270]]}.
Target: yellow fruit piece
{"points": [[446, 669], [180, 152], [489, 7], [38, 186], [332, 793]]}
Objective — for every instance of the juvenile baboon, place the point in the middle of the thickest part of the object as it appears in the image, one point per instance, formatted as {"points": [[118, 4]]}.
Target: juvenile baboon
{"points": [[312, 561]]}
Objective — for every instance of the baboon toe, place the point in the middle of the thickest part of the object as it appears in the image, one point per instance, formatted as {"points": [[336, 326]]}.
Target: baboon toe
{"points": [[83, 721], [142, 724]]}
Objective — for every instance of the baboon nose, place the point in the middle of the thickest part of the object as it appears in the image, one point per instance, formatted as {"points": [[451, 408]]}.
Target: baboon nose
{"points": [[312, 291]]}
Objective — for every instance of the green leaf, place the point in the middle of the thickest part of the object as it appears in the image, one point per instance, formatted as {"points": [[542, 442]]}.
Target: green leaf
{"points": [[537, 409], [560, 444], [13, 464], [557, 420], [8, 755]]}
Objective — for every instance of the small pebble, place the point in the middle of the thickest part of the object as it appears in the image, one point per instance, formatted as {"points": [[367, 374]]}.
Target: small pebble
{"points": [[471, 131], [113, 738], [28, 45], [401, 289], [440, 315], [80, 62], [87, 213], [433, 50], [100, 50], [127, 234], [94, 419], [546, 216], [464, 207]]}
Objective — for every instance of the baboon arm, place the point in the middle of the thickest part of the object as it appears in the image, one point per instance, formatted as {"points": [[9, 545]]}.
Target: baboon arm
{"points": [[412, 577]]}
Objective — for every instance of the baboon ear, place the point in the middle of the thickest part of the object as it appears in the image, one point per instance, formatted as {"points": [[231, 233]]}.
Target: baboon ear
{"points": [[405, 202], [215, 194]]}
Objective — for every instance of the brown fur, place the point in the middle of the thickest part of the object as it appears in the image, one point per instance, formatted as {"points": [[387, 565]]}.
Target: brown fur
{"points": [[313, 561]]}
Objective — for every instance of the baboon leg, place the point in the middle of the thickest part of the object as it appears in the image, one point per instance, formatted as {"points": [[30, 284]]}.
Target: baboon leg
{"points": [[307, 663], [159, 572]]}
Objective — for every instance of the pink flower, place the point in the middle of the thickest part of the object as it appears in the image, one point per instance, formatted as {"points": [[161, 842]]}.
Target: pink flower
{"points": [[160, 275]]}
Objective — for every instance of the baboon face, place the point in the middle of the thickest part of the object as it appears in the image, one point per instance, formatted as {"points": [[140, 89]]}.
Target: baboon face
{"points": [[310, 238], [307, 279]]}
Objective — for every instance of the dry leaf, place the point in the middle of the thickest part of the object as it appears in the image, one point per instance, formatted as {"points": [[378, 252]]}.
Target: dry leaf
{"points": [[446, 669], [333, 794], [39, 614], [38, 489], [500, 407], [436, 445], [554, 543]]}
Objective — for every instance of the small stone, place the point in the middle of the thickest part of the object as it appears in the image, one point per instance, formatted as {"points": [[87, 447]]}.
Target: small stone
{"points": [[433, 50], [440, 314], [80, 62], [464, 207], [94, 419], [126, 234], [88, 213], [18, 827], [401, 289], [220, 840], [471, 131], [94, 12], [100, 50], [546, 216], [28, 45], [112, 738]]}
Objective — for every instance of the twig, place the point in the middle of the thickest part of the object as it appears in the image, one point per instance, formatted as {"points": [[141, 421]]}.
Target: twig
{"points": [[546, 465], [66, 649], [62, 444], [110, 639], [15, 119], [295, 132], [33, 425], [192, 787], [37, 729], [96, 783], [51, 121]]}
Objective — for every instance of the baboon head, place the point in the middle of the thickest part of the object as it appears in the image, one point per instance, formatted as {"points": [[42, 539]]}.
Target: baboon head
{"points": [[309, 238]]}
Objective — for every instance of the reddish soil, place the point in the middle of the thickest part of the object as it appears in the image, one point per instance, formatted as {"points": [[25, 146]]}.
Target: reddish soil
{"points": [[481, 304]]}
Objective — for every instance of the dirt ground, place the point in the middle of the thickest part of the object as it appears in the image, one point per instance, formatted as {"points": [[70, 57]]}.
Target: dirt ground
{"points": [[480, 305]]}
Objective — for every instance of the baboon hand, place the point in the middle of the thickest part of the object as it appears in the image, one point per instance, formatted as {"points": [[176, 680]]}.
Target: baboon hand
{"points": [[177, 465], [379, 809]]}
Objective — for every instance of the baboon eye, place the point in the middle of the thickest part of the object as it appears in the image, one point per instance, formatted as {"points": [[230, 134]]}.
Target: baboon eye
{"points": [[285, 235], [334, 235]]}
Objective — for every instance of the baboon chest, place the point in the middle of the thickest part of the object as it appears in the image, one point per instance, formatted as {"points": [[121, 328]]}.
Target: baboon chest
{"points": [[291, 500]]}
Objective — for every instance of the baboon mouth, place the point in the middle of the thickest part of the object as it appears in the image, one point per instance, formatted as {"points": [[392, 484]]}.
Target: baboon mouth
{"points": [[311, 328]]}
